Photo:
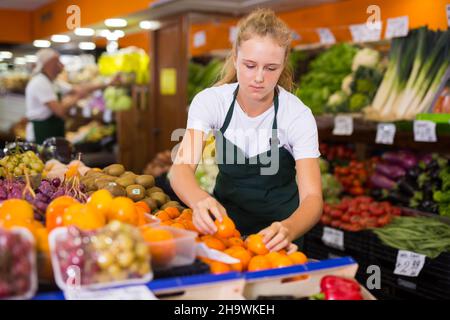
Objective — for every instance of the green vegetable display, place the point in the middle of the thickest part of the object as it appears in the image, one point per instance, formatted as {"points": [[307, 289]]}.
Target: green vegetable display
{"points": [[202, 77]]}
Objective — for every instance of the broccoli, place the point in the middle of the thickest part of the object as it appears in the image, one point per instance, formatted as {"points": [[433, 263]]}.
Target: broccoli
{"points": [[358, 101]]}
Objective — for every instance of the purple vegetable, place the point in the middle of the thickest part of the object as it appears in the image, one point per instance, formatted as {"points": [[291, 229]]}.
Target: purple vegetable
{"points": [[390, 170], [405, 159], [382, 182]]}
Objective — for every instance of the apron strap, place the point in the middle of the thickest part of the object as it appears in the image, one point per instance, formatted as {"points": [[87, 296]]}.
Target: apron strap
{"points": [[229, 113]]}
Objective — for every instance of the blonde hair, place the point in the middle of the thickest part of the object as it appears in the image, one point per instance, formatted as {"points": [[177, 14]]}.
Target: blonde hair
{"points": [[261, 22]]}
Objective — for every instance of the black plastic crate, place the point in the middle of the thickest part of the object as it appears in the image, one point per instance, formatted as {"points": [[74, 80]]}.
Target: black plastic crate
{"points": [[198, 267]]}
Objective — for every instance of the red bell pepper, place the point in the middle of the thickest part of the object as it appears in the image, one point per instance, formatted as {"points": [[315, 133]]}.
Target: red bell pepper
{"points": [[338, 288]]}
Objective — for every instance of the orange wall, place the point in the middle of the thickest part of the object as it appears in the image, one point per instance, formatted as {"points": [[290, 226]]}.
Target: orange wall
{"points": [[140, 40], [15, 26], [336, 16]]}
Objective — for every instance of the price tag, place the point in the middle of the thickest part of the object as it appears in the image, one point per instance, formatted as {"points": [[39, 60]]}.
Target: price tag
{"points": [[333, 238], [87, 112], [326, 36], [397, 27], [295, 36], [409, 263], [424, 131], [364, 33], [199, 39], [107, 116], [126, 293], [343, 125], [385, 133], [448, 15], [233, 34]]}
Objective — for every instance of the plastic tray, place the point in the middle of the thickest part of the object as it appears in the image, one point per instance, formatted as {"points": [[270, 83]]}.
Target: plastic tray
{"points": [[26, 234], [179, 251], [60, 234]]}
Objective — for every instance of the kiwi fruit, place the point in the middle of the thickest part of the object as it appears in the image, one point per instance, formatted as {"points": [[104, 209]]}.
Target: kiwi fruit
{"points": [[170, 204], [114, 170], [135, 192], [109, 178], [125, 181], [101, 183], [159, 197], [152, 204], [115, 190], [89, 183], [147, 181], [154, 189], [92, 172], [128, 174]]}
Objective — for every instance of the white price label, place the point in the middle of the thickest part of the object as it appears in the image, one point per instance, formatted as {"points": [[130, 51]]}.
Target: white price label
{"points": [[343, 125], [409, 263], [385, 133], [333, 238], [424, 131], [326, 36], [199, 39], [233, 34], [87, 112], [107, 116], [448, 15], [126, 293], [397, 27], [364, 33]]}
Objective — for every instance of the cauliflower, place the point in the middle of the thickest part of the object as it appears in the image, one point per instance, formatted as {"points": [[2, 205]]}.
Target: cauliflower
{"points": [[346, 84], [366, 57], [337, 102]]}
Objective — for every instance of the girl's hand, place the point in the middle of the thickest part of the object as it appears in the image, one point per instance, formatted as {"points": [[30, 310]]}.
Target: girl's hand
{"points": [[277, 237], [201, 215]]}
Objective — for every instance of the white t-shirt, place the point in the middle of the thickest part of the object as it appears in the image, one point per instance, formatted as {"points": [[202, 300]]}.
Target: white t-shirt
{"points": [[39, 91], [297, 129]]}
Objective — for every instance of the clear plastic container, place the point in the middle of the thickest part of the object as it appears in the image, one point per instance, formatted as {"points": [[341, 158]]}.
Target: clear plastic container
{"points": [[79, 261], [175, 252], [20, 281]]}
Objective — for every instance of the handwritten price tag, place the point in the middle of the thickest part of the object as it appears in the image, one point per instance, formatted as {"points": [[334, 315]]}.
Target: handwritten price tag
{"points": [[343, 126], [326, 36], [385, 133], [424, 131], [199, 39], [397, 27], [126, 293], [362, 33], [409, 263], [333, 238]]}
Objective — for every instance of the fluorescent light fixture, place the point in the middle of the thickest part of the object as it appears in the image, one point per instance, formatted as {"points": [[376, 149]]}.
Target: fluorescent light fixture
{"points": [[112, 36], [60, 38], [84, 32], [87, 46], [149, 25], [31, 58], [20, 61], [116, 23], [41, 43], [6, 55], [103, 33], [119, 33]]}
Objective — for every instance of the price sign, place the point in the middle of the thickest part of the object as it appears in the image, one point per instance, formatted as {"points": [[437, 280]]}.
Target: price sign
{"points": [[126, 293], [385, 133], [199, 39], [343, 125], [362, 32], [333, 238], [409, 263], [424, 131], [326, 36], [397, 27], [233, 34]]}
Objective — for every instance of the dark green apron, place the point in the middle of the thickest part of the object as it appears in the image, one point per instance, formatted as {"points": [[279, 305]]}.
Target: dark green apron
{"points": [[254, 201]]}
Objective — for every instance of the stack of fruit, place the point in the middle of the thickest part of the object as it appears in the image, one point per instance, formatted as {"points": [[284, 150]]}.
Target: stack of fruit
{"points": [[354, 177], [18, 164]]}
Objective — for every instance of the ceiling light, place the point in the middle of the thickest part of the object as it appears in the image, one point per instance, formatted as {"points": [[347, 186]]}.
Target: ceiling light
{"points": [[6, 55], [41, 43], [84, 32], [149, 25], [60, 38], [103, 33], [116, 23], [87, 46], [119, 33], [20, 61]]}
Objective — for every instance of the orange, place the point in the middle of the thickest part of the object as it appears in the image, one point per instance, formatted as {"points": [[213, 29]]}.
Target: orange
{"points": [[172, 212], [239, 267], [42, 239], [256, 244], [84, 217], [101, 200], [161, 244], [55, 211], [186, 214], [273, 256], [258, 263], [166, 223], [237, 234], [235, 241], [178, 225], [123, 209], [162, 215], [213, 243], [243, 255], [226, 228], [298, 257], [16, 209], [217, 267], [144, 206], [141, 212], [190, 225], [27, 224], [281, 261]]}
